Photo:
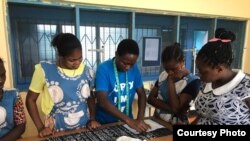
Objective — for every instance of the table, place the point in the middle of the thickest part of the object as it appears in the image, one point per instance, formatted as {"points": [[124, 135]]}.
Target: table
{"points": [[161, 122]]}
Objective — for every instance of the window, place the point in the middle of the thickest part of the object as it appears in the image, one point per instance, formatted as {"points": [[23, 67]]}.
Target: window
{"points": [[33, 26], [45, 35], [110, 37], [32, 29], [88, 41], [151, 25]]}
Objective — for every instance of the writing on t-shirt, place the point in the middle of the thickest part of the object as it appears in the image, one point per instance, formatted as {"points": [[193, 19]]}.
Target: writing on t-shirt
{"points": [[123, 86], [123, 93]]}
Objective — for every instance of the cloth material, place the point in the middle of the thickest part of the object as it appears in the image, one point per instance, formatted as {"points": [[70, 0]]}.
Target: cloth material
{"points": [[68, 95], [190, 84], [7, 105], [225, 105], [38, 85]]}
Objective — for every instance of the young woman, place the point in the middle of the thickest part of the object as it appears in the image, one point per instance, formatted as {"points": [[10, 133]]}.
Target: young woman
{"points": [[225, 98], [66, 87], [12, 117], [175, 88]]}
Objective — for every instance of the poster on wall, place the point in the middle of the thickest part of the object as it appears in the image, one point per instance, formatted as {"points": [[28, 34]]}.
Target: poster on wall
{"points": [[151, 51]]}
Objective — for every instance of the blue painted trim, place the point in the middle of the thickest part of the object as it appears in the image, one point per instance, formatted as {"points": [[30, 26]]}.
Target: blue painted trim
{"points": [[132, 26], [70, 5], [77, 22], [178, 29], [39, 2]]}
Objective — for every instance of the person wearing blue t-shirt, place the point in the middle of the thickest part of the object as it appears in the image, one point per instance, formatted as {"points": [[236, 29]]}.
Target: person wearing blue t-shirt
{"points": [[117, 81]]}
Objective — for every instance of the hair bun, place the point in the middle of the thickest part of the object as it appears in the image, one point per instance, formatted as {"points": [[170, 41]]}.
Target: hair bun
{"points": [[231, 36], [55, 42], [177, 44], [222, 33]]}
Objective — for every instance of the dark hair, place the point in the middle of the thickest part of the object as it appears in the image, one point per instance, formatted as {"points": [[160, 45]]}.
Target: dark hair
{"points": [[172, 52], [127, 46], [222, 33], [65, 43], [218, 52], [219, 31], [1, 60]]}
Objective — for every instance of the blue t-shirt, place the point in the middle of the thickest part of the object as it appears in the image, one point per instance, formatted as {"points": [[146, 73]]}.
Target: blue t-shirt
{"points": [[106, 81]]}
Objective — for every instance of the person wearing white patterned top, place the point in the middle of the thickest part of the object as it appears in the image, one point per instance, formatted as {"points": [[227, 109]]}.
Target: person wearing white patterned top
{"points": [[175, 88], [225, 97]]}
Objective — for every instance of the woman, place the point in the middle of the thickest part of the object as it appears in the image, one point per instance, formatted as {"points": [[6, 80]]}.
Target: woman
{"points": [[66, 90], [175, 88], [12, 117], [225, 98]]}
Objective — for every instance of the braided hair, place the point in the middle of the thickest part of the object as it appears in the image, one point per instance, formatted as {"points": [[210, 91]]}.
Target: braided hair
{"points": [[173, 52], [218, 51]]}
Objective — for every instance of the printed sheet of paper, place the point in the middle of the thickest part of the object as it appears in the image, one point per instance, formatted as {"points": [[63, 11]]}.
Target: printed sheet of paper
{"points": [[154, 125], [151, 50]]}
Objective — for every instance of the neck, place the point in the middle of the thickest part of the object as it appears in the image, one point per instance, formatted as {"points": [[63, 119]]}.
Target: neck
{"points": [[1, 94], [226, 77], [61, 64]]}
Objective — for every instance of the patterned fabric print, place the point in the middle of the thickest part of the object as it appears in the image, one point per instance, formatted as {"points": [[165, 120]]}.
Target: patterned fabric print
{"points": [[225, 109], [19, 116], [69, 94]]}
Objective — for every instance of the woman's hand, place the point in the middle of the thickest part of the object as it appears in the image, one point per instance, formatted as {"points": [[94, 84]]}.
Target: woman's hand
{"points": [[45, 131], [93, 124], [177, 75]]}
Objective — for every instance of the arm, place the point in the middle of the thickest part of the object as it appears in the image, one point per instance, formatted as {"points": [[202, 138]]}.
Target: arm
{"points": [[15, 133], [141, 103], [36, 87], [105, 104], [91, 105], [180, 103], [92, 124], [19, 120], [247, 100], [109, 107], [33, 111], [157, 103], [141, 110]]}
